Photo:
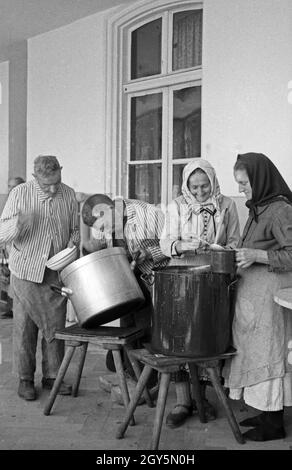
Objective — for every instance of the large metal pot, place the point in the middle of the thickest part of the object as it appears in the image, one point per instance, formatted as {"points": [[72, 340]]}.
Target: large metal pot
{"points": [[101, 286], [192, 312]]}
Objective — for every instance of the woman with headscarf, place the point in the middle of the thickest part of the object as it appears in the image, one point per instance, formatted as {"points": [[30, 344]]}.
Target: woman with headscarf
{"points": [[260, 373], [192, 222]]}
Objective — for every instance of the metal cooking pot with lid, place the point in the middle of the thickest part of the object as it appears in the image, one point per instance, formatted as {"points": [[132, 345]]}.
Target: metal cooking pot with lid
{"points": [[192, 311], [101, 286]]}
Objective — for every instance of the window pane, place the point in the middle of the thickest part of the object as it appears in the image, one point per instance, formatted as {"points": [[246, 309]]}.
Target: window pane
{"points": [[146, 50], [187, 123], [145, 182], [187, 39], [177, 180], [146, 127]]}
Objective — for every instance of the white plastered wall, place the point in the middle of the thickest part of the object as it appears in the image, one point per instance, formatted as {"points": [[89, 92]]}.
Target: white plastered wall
{"points": [[4, 129], [66, 101], [247, 69]]}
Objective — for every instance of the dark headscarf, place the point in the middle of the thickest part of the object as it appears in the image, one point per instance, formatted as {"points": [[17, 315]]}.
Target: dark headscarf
{"points": [[266, 182]]}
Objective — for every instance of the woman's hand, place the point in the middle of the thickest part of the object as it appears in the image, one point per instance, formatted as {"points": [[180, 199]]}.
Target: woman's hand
{"points": [[190, 244], [245, 257]]}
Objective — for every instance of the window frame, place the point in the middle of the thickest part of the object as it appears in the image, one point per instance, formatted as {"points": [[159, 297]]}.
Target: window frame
{"points": [[120, 89]]}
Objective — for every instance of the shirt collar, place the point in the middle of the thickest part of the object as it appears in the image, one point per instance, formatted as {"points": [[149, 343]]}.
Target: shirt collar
{"points": [[131, 212], [43, 196]]}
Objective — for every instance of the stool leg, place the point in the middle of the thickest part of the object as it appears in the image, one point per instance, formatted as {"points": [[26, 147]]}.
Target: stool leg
{"points": [[61, 374], [137, 370], [197, 392], [122, 378], [134, 400], [83, 352], [222, 397], [160, 408]]}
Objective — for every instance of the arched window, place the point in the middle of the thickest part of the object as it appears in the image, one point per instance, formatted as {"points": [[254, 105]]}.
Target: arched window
{"points": [[158, 99]]}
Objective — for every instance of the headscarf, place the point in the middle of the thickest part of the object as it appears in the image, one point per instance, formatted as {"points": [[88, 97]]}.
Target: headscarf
{"points": [[212, 202], [266, 182]]}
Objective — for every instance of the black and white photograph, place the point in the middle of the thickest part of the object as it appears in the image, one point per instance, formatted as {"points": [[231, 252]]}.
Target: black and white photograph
{"points": [[146, 230]]}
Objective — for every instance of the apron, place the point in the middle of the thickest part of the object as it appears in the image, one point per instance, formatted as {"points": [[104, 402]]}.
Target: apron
{"points": [[45, 308], [261, 329]]}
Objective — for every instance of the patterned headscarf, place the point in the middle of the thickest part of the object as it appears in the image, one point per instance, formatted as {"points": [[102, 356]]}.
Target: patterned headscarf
{"points": [[215, 196]]}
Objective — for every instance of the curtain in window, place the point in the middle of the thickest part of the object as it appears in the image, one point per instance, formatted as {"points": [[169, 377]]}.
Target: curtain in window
{"points": [[187, 40], [145, 182]]}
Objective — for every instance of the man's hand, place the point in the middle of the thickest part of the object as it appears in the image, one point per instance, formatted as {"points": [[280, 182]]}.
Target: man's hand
{"points": [[25, 221], [141, 255]]}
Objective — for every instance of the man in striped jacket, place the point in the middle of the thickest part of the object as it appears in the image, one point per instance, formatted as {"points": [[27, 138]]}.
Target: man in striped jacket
{"points": [[136, 226], [39, 219]]}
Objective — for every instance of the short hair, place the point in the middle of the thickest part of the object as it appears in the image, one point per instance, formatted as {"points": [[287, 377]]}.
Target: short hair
{"points": [[44, 165], [18, 180], [92, 201]]}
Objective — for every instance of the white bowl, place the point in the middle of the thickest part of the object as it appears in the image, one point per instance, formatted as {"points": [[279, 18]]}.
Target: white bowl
{"points": [[62, 259]]}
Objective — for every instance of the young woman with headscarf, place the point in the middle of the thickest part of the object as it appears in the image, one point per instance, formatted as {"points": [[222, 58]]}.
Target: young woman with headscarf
{"points": [[192, 222], [260, 373]]}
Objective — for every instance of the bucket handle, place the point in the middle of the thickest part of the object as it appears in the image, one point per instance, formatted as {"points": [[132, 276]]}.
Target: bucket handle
{"points": [[64, 291]]}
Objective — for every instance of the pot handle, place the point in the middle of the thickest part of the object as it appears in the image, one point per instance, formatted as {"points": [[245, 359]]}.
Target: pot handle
{"points": [[64, 291], [234, 281]]}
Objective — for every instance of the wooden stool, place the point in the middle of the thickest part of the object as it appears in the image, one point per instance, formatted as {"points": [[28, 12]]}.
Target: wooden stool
{"points": [[166, 365], [110, 338]]}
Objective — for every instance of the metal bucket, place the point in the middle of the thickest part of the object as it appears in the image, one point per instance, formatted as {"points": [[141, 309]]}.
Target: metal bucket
{"points": [[223, 261], [192, 312], [102, 287]]}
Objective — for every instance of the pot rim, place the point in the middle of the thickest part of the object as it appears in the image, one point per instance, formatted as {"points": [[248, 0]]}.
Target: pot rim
{"points": [[97, 255]]}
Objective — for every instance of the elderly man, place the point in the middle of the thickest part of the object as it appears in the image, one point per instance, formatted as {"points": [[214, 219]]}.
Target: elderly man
{"points": [[40, 219], [12, 183], [136, 226]]}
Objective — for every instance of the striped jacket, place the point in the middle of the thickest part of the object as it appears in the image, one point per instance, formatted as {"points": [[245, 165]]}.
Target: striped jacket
{"points": [[142, 229], [55, 223]]}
